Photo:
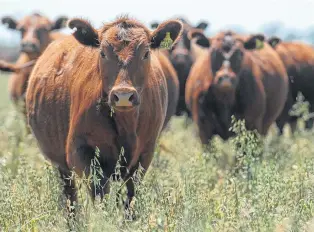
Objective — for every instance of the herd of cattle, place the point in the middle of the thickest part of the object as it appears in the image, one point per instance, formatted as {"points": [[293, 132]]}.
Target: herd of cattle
{"points": [[119, 85]]}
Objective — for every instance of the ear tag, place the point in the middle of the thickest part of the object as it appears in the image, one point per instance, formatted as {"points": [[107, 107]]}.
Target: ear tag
{"points": [[259, 44], [111, 111], [273, 44], [63, 23], [166, 42]]}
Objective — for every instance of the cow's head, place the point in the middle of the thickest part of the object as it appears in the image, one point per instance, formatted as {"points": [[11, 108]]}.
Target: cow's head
{"points": [[226, 52], [35, 30], [180, 54], [125, 47]]}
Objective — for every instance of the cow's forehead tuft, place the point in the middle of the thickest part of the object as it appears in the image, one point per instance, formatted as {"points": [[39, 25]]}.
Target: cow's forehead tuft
{"points": [[34, 21], [125, 41]]}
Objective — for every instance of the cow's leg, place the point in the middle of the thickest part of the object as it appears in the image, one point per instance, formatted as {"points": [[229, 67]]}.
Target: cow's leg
{"points": [[100, 189], [69, 189], [130, 192], [310, 121], [144, 161], [80, 159]]}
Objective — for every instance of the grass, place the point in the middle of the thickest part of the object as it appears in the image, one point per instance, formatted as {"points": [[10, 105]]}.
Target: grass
{"points": [[187, 188]]}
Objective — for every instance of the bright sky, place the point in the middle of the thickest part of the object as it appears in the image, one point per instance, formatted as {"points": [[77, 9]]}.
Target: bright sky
{"points": [[250, 14]]}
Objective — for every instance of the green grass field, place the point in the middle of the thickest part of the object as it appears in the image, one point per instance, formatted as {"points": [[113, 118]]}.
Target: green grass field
{"points": [[187, 188]]}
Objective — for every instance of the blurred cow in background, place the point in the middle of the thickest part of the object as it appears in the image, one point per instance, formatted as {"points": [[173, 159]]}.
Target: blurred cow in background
{"points": [[37, 33], [182, 58]]}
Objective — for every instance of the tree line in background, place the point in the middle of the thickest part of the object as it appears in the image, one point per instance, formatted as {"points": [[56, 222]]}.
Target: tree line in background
{"points": [[10, 52]]}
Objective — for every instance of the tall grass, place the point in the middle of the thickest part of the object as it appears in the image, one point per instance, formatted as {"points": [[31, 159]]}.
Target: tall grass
{"points": [[245, 184]]}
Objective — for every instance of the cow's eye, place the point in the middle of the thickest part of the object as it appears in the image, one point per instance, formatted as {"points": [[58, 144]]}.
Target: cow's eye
{"points": [[40, 31], [22, 30], [103, 55], [146, 55]]}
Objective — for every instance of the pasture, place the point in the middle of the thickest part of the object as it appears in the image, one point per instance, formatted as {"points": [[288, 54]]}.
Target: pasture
{"points": [[187, 188]]}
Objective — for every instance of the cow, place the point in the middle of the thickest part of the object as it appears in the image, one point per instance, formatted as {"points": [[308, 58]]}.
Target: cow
{"points": [[241, 75], [104, 89], [37, 32], [182, 58], [298, 58]]}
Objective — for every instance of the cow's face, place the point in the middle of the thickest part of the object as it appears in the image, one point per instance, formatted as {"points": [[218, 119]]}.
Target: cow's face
{"points": [[125, 55], [35, 31], [226, 55]]}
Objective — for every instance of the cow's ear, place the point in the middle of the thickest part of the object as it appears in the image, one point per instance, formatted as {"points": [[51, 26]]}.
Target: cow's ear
{"points": [[198, 36], [85, 33], [254, 42], [7, 67], [166, 34], [59, 23], [202, 25], [10, 22], [154, 25], [274, 41]]}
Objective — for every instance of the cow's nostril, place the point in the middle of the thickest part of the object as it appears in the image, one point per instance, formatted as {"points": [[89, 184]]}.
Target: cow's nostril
{"points": [[131, 98], [115, 98], [29, 46]]}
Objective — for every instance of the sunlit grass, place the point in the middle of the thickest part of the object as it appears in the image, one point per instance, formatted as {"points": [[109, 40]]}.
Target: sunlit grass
{"points": [[186, 188]]}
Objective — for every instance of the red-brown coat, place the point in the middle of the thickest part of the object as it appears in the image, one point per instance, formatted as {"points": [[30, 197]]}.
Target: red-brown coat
{"points": [[235, 78], [77, 81], [298, 59]]}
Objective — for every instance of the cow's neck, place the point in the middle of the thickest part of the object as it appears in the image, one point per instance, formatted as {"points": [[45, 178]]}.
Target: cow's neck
{"points": [[126, 122], [224, 97], [126, 125]]}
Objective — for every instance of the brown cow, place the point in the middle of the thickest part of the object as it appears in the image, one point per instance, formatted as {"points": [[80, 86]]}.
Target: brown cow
{"points": [[37, 32], [298, 59], [182, 58], [76, 83], [235, 78]]}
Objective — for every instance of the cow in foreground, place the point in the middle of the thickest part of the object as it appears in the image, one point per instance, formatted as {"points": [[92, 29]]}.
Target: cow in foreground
{"points": [[241, 76], [298, 59], [37, 32], [101, 88]]}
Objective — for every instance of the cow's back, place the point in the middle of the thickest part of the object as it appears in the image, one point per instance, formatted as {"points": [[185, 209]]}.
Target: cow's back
{"points": [[48, 100]]}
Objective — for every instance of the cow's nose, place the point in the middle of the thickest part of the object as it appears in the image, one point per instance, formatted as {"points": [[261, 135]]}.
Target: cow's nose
{"points": [[224, 78], [124, 97], [180, 58], [28, 47]]}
